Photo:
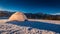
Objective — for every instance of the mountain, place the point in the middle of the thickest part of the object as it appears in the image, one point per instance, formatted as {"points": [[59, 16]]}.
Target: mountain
{"points": [[56, 14], [42, 16], [5, 14], [33, 15]]}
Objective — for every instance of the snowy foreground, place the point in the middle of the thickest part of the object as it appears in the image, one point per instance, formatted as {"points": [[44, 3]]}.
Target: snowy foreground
{"points": [[21, 28], [14, 29], [46, 21]]}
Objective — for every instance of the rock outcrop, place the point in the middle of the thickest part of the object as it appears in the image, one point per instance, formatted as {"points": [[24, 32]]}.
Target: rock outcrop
{"points": [[18, 16]]}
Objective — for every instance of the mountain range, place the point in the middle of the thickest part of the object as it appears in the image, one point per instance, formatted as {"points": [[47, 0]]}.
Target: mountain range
{"points": [[33, 16]]}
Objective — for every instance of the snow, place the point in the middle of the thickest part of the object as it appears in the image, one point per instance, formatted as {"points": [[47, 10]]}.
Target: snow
{"points": [[56, 14], [28, 27], [46, 21], [14, 29]]}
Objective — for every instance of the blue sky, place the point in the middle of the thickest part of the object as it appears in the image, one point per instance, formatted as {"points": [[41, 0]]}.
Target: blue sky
{"points": [[31, 6]]}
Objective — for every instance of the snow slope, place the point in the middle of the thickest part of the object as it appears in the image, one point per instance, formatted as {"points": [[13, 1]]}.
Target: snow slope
{"points": [[46, 21], [28, 27], [14, 29]]}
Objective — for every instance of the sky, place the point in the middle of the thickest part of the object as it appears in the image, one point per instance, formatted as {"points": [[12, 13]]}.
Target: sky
{"points": [[31, 6]]}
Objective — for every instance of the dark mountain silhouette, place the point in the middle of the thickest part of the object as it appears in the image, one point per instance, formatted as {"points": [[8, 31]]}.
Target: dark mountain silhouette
{"points": [[5, 14], [32, 15], [42, 16]]}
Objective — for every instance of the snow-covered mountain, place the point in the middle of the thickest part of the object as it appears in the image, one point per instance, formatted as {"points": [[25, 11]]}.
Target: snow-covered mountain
{"points": [[55, 14]]}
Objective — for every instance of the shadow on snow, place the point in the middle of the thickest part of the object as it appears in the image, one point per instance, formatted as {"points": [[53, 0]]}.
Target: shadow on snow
{"points": [[38, 25]]}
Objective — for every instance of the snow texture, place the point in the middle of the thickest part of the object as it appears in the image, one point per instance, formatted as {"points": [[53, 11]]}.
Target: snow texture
{"points": [[15, 29]]}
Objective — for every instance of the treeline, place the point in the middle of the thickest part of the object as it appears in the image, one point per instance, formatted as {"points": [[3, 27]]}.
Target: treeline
{"points": [[42, 16], [32, 16], [6, 14]]}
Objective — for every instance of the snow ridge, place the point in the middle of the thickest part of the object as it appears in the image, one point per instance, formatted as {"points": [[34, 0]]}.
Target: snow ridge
{"points": [[14, 29]]}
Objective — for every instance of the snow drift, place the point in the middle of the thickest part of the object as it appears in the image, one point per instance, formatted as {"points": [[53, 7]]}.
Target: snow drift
{"points": [[14, 29]]}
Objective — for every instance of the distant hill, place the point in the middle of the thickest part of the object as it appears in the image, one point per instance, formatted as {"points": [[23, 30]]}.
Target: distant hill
{"points": [[31, 15], [42, 16], [5, 14]]}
